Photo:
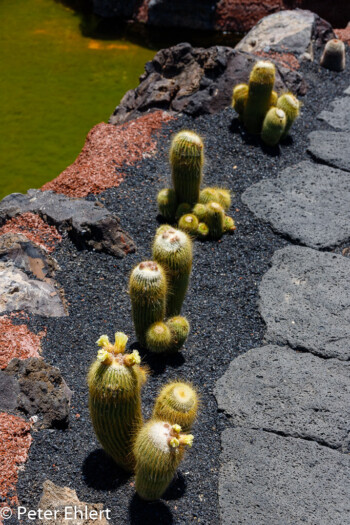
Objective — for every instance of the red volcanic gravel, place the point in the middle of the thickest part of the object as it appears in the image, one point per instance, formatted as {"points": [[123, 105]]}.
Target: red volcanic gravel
{"points": [[17, 341], [34, 228], [15, 440], [106, 150], [285, 59], [344, 34]]}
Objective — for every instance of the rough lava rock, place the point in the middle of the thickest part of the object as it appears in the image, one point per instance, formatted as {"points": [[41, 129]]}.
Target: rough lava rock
{"points": [[90, 224], [305, 301], [266, 479], [298, 394], [195, 81], [308, 202], [41, 391], [339, 115], [237, 16], [293, 31], [331, 147], [57, 499]]}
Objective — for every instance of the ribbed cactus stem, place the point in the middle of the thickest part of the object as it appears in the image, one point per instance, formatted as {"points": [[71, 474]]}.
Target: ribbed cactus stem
{"points": [[261, 82], [199, 210], [172, 249], [148, 290], [187, 158], [291, 107], [333, 56], [215, 220], [273, 126], [114, 382], [158, 450], [177, 402]]}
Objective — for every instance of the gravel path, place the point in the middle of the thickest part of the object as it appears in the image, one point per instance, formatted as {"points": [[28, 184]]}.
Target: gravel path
{"points": [[222, 306]]}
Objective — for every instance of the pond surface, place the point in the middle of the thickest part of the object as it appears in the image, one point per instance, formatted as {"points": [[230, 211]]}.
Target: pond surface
{"points": [[55, 84]]}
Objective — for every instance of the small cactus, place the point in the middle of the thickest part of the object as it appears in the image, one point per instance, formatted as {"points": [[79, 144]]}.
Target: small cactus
{"points": [[115, 381], [261, 82], [179, 328], [208, 195], [177, 403], [182, 209], [229, 224], [224, 197], [188, 223], [167, 203], [273, 126], [158, 450], [202, 231], [199, 210], [215, 220], [187, 158], [159, 338], [239, 98], [147, 289], [172, 249], [333, 56], [273, 99], [291, 106]]}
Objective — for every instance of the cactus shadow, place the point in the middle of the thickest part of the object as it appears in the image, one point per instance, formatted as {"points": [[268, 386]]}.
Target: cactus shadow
{"points": [[177, 488], [272, 151], [101, 473], [157, 362], [149, 513]]}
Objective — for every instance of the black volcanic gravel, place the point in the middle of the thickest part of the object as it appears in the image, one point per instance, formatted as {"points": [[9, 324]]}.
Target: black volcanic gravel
{"points": [[221, 306]]}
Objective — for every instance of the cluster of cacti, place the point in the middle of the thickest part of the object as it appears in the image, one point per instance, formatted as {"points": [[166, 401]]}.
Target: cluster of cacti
{"points": [[154, 450], [259, 107], [198, 213], [157, 290]]}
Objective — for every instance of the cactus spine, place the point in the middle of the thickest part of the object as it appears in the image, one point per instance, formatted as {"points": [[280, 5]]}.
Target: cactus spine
{"points": [[177, 403], [333, 56], [273, 126], [115, 381], [167, 203], [187, 158], [261, 82], [291, 106], [158, 450], [172, 249], [147, 289]]}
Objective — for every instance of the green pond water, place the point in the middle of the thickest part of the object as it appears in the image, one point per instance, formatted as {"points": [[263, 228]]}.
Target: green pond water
{"points": [[55, 84]]}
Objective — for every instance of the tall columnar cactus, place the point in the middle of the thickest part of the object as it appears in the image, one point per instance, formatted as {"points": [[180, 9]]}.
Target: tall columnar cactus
{"points": [[273, 126], [172, 249], [167, 203], [148, 291], [291, 106], [177, 403], [215, 219], [333, 56], [261, 82], [158, 450], [187, 158], [115, 381]]}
